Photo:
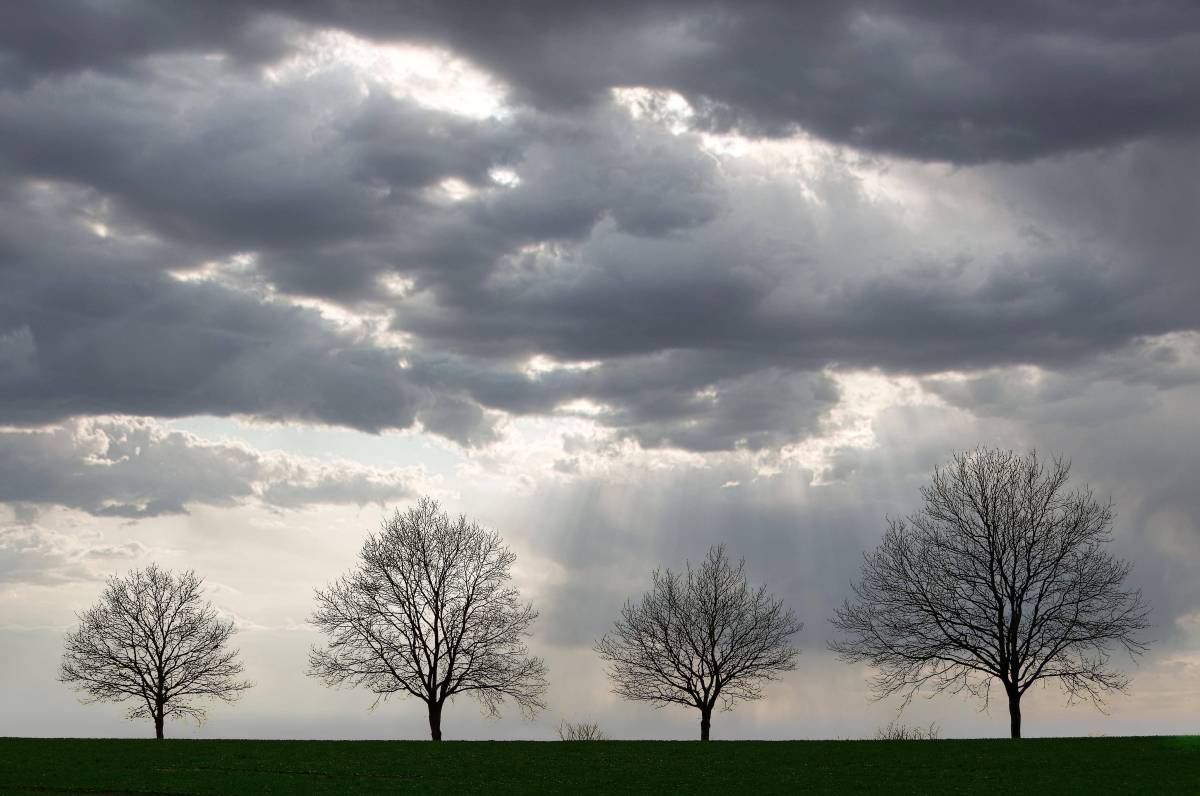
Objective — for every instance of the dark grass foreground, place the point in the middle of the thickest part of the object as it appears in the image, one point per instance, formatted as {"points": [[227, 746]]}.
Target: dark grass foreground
{"points": [[1073, 765]]}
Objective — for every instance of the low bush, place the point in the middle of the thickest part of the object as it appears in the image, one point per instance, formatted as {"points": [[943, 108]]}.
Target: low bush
{"points": [[580, 731], [898, 731]]}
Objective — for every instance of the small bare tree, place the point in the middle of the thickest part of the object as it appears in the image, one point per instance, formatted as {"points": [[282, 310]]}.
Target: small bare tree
{"points": [[580, 731], [1001, 575], [430, 612], [153, 639], [699, 638]]}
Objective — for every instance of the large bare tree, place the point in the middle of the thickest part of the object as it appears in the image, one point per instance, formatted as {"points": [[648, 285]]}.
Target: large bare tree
{"points": [[1001, 575], [700, 638], [152, 639], [430, 612]]}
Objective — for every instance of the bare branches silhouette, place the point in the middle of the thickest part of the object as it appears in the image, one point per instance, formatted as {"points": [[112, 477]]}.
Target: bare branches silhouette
{"points": [[580, 731], [700, 638], [153, 640], [898, 731], [430, 612], [1001, 575]]}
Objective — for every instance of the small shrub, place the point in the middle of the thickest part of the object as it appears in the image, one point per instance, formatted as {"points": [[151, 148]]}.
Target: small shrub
{"points": [[580, 731], [898, 731]]}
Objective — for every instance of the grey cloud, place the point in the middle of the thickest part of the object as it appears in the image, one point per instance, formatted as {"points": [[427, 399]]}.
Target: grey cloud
{"points": [[130, 468], [460, 419], [640, 177], [574, 173], [290, 482], [325, 184], [932, 80], [733, 290], [42, 556], [284, 168], [119, 469], [766, 410], [713, 294], [836, 280], [699, 401], [1136, 201], [1121, 383], [599, 162], [63, 36], [101, 328]]}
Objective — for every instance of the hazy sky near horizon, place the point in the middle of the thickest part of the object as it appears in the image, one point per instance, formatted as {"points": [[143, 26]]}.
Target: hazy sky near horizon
{"points": [[619, 280]]}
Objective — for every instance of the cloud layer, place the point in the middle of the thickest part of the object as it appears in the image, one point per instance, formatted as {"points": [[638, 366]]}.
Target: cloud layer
{"points": [[622, 282], [925, 80], [131, 468]]}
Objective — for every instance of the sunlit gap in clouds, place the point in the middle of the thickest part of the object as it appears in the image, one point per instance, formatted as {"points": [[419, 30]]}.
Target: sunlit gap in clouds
{"points": [[430, 76], [800, 156], [850, 424]]}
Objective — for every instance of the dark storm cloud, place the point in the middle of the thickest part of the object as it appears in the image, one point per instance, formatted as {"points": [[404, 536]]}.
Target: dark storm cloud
{"points": [[294, 170], [697, 401], [328, 184], [574, 172], [62, 36], [356, 216], [707, 297], [940, 81], [94, 327], [832, 281], [1140, 200], [915, 320]]}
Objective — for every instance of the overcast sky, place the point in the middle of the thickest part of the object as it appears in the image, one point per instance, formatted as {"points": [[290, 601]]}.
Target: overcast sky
{"points": [[620, 282]]}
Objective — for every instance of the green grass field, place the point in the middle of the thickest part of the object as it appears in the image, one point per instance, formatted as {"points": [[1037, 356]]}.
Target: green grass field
{"points": [[1031, 766]]}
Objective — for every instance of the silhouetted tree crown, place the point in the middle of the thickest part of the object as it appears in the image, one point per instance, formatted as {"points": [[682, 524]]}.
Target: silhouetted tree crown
{"points": [[1001, 575], [700, 638], [430, 612], [153, 640]]}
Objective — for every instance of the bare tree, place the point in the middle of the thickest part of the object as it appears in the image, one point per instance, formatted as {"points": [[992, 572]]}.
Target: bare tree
{"points": [[153, 639], [698, 638], [580, 731], [430, 612], [1001, 575]]}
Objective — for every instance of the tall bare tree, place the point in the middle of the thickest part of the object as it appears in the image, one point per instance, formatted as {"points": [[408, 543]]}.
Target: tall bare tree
{"points": [[430, 612], [1000, 575], [153, 640], [700, 638]]}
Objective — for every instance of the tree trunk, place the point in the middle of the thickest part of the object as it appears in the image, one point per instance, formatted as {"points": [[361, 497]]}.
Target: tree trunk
{"points": [[705, 722], [158, 725], [435, 721], [1014, 713]]}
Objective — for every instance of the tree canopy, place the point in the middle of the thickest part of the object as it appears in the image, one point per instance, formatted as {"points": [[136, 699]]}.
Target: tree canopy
{"points": [[1001, 576], [154, 641], [700, 638], [430, 612]]}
